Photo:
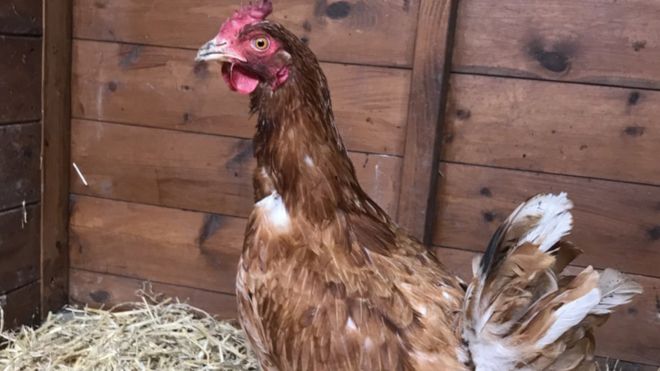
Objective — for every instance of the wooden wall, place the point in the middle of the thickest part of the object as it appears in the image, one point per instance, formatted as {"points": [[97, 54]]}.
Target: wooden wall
{"points": [[20, 150], [568, 104], [560, 95]]}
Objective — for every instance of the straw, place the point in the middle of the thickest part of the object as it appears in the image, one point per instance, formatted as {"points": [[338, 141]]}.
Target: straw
{"points": [[153, 334]]}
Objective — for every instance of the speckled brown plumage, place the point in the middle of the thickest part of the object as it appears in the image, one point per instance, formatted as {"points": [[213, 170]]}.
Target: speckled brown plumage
{"points": [[327, 281], [343, 287]]}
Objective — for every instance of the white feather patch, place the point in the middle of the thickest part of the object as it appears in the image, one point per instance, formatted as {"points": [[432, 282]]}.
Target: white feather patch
{"points": [[475, 264], [309, 161], [350, 324], [555, 220], [569, 315], [274, 211], [368, 343], [493, 355]]}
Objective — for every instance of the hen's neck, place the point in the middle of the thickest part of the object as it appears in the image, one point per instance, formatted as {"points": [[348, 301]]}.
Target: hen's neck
{"points": [[299, 152]]}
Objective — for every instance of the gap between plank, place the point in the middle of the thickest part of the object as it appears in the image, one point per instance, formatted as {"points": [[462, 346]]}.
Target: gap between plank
{"points": [[151, 281], [330, 61], [467, 72], [551, 173]]}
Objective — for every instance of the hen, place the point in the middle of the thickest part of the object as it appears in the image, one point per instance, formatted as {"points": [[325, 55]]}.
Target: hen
{"points": [[327, 281]]}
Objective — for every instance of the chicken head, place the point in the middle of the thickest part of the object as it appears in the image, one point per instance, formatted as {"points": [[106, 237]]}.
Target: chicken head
{"points": [[248, 53]]}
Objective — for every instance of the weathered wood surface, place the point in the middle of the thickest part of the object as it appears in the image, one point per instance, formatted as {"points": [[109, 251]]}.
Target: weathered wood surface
{"points": [[628, 335], [163, 87], [20, 85], [133, 240], [104, 290], [593, 131], [19, 247], [20, 17], [191, 171], [21, 306], [366, 32], [433, 46], [20, 148], [596, 41], [56, 154], [607, 363], [616, 224]]}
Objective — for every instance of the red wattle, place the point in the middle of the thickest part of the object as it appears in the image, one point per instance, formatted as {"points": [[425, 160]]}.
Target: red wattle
{"points": [[239, 79]]}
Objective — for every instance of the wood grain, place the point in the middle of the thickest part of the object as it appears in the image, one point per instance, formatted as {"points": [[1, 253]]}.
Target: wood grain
{"points": [[104, 290], [601, 132], [19, 247], [596, 41], [20, 86], [351, 31], [607, 363], [616, 224], [20, 17], [433, 46], [628, 335], [21, 306], [20, 147], [191, 171], [56, 154], [134, 240], [163, 87]]}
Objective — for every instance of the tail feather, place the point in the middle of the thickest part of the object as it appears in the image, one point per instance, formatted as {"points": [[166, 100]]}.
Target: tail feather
{"points": [[565, 254], [520, 312], [542, 221], [616, 289], [554, 220]]}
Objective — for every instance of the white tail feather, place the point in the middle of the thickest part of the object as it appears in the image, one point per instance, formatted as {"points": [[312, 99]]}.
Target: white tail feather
{"points": [[555, 220], [475, 264], [616, 289], [569, 315]]}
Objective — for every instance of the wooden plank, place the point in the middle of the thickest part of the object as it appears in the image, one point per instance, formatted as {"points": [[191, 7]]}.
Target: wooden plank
{"points": [[596, 41], [616, 224], [56, 154], [21, 306], [163, 87], [19, 247], [133, 240], [607, 363], [433, 48], [19, 164], [366, 32], [602, 132], [20, 17], [191, 171], [104, 290], [631, 332], [20, 90]]}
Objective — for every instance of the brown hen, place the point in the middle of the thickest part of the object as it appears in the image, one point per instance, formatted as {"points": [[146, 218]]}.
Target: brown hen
{"points": [[327, 281]]}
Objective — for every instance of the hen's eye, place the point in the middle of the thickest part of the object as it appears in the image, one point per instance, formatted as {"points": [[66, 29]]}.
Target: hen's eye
{"points": [[260, 43]]}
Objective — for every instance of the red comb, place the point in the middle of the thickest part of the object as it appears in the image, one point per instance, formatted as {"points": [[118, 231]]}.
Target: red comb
{"points": [[247, 14], [258, 12]]}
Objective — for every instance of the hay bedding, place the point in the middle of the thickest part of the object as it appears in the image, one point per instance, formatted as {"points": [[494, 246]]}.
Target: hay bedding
{"points": [[147, 335]]}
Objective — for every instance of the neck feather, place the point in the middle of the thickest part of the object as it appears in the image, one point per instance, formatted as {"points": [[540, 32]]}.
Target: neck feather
{"points": [[299, 152]]}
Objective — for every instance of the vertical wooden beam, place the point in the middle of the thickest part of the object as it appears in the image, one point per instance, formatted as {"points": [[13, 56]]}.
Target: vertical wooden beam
{"points": [[56, 161], [431, 66]]}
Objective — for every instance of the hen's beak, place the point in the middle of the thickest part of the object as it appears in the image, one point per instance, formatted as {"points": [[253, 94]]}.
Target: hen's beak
{"points": [[217, 51]]}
